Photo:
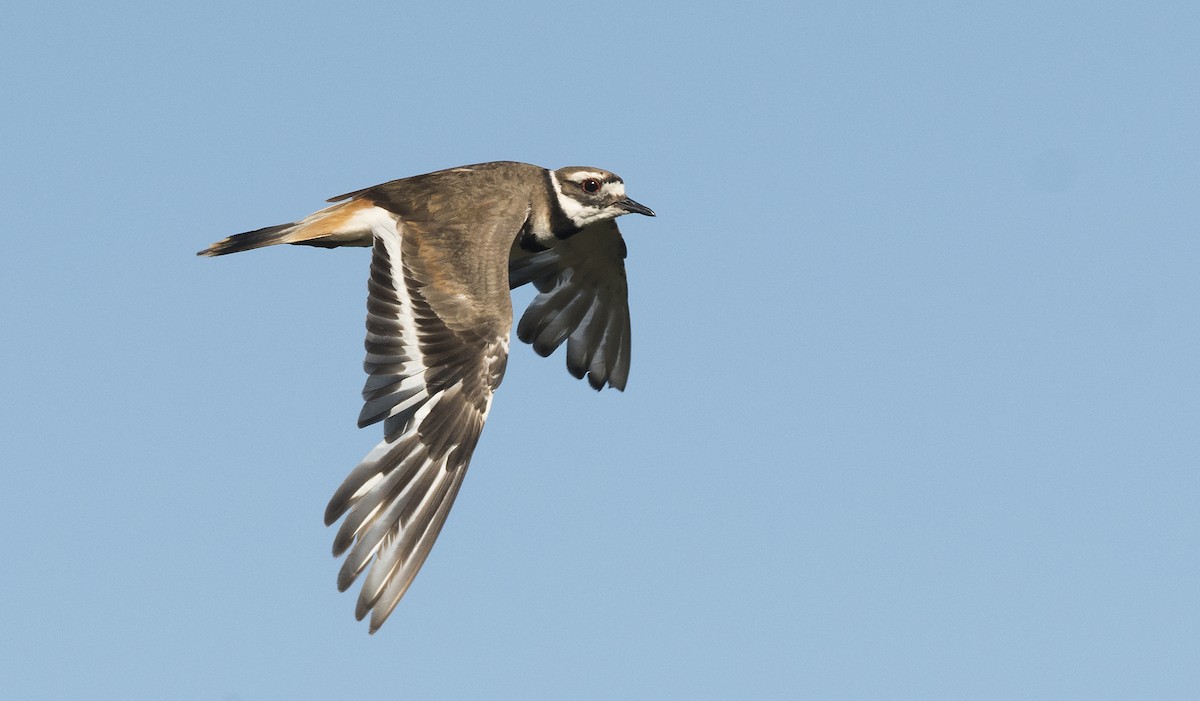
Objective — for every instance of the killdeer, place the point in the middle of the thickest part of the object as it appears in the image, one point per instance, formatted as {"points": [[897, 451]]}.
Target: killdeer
{"points": [[446, 249]]}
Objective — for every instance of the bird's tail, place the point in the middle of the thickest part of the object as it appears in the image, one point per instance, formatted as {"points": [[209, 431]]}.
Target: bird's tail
{"points": [[345, 224]]}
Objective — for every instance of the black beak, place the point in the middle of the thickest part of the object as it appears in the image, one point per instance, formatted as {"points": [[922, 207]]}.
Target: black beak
{"points": [[634, 208]]}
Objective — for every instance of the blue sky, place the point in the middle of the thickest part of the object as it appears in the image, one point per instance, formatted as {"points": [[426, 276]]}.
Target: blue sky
{"points": [[914, 402]]}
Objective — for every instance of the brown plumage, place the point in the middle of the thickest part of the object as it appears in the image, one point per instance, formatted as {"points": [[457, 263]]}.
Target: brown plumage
{"points": [[446, 248]]}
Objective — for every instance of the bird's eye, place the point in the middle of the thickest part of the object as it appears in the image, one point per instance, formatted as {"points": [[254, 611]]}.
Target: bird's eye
{"points": [[590, 185]]}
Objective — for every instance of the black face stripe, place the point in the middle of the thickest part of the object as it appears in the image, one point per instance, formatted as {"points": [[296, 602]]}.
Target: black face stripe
{"points": [[527, 241], [560, 224]]}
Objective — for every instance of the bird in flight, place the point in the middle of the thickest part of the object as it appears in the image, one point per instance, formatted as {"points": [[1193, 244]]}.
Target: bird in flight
{"points": [[446, 249]]}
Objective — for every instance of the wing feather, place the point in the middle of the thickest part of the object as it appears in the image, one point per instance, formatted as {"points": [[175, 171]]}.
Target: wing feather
{"points": [[431, 385], [582, 299]]}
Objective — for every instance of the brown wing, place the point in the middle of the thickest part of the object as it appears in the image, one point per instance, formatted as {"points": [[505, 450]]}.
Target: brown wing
{"points": [[433, 361], [583, 299]]}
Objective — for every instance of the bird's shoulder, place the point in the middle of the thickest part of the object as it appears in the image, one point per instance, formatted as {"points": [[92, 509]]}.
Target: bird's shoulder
{"points": [[461, 190]]}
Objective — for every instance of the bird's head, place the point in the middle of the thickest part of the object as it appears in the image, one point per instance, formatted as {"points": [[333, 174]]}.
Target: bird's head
{"points": [[588, 195]]}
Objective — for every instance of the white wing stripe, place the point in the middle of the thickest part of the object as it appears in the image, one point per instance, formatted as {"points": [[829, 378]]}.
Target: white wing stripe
{"points": [[386, 230], [395, 501]]}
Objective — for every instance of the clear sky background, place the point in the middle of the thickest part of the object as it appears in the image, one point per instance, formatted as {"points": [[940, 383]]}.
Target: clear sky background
{"points": [[915, 399]]}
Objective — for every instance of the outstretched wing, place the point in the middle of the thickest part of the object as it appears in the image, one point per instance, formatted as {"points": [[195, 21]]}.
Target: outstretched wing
{"points": [[583, 299], [434, 358]]}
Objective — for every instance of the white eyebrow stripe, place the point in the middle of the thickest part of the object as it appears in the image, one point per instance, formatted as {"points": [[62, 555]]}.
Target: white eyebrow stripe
{"points": [[616, 188], [584, 175]]}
